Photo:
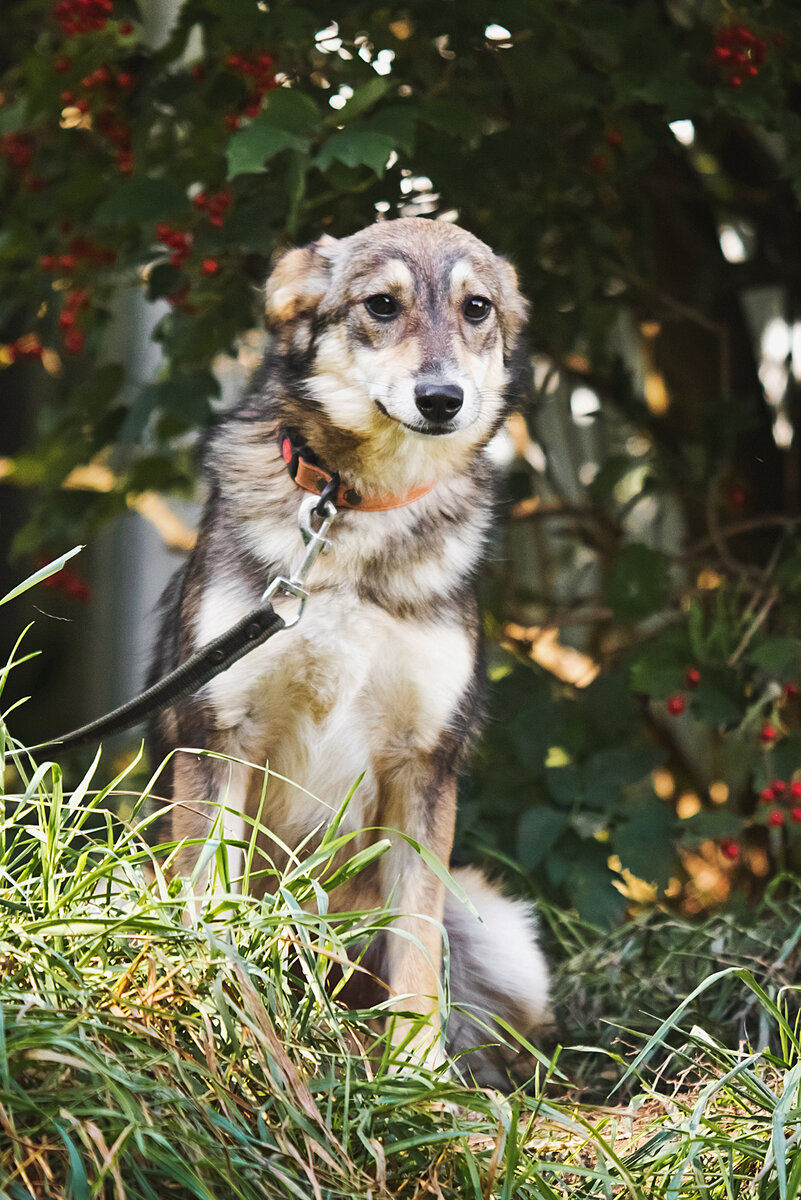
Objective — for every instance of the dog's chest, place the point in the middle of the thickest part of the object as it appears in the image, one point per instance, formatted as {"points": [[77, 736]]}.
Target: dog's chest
{"points": [[349, 689]]}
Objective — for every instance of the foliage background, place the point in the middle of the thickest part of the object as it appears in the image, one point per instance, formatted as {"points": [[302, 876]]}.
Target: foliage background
{"points": [[653, 485]]}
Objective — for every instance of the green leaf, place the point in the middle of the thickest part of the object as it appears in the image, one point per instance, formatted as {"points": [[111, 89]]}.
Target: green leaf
{"points": [[141, 199], [590, 884], [356, 148], [537, 831], [658, 682], [785, 757], [710, 824], [715, 705], [639, 583], [563, 784], [609, 772], [778, 655], [645, 843], [363, 98], [291, 110], [398, 121], [249, 150]]}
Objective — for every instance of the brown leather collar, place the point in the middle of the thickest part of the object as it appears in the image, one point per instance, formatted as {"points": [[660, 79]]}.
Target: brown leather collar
{"points": [[306, 472]]}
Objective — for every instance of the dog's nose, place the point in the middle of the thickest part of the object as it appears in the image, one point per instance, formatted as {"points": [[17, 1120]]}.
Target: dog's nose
{"points": [[438, 402]]}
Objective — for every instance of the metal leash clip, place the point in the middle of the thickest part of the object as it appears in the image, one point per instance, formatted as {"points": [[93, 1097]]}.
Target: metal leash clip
{"points": [[316, 543]]}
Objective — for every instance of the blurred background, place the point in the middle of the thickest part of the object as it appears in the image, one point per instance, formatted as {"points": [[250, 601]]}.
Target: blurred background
{"points": [[640, 163]]}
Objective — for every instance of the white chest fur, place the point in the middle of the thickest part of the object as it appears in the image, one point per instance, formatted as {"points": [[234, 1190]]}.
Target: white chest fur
{"points": [[347, 690]]}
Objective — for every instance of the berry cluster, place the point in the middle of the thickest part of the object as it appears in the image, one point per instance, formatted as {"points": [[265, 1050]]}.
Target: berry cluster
{"points": [[779, 791], [104, 85], [740, 52], [260, 70], [81, 252], [215, 205], [77, 300], [82, 16], [177, 240]]}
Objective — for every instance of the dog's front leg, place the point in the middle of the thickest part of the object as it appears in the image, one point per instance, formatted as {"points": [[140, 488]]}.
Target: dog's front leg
{"points": [[425, 809], [208, 797]]}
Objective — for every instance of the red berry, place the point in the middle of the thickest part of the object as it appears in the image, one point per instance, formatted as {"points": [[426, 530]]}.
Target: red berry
{"points": [[614, 138], [67, 97], [676, 705], [82, 105], [791, 691], [752, 70], [77, 298], [126, 28], [795, 816], [692, 677], [734, 81], [199, 71], [766, 795], [231, 121], [252, 110], [201, 200], [729, 849], [795, 789], [74, 341], [125, 80], [124, 161], [209, 266], [62, 65], [776, 818], [67, 319], [67, 262], [778, 787], [768, 734], [48, 262]]}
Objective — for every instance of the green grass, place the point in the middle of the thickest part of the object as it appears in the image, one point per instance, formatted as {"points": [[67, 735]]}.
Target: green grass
{"points": [[145, 1053]]}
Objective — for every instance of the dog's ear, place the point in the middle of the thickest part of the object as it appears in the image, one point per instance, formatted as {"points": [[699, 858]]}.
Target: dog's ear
{"points": [[515, 305], [299, 281]]}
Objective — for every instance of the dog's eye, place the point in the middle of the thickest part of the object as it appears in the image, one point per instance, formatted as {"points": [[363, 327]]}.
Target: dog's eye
{"points": [[384, 307], [476, 308]]}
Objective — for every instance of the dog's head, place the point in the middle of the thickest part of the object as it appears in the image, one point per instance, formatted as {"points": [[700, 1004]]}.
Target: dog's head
{"points": [[407, 331]]}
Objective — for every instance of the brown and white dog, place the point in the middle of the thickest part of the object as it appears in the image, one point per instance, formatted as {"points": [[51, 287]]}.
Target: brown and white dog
{"points": [[393, 356]]}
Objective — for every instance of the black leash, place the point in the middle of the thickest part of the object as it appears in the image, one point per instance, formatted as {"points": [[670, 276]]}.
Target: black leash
{"points": [[260, 624], [252, 631]]}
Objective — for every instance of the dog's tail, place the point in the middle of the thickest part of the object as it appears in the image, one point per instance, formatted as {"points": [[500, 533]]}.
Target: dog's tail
{"points": [[497, 969]]}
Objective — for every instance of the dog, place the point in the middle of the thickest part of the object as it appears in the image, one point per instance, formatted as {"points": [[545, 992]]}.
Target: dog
{"points": [[393, 356]]}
